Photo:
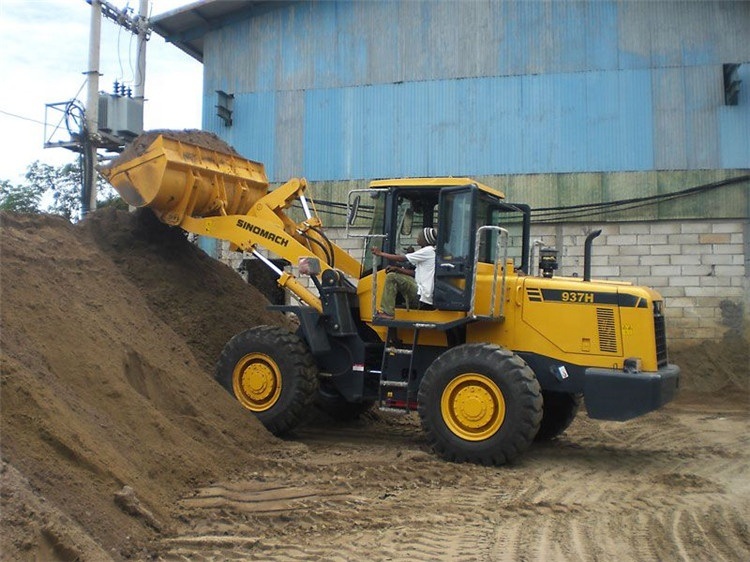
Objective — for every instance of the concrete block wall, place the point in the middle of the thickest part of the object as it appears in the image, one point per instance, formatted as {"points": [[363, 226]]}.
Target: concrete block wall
{"points": [[701, 268]]}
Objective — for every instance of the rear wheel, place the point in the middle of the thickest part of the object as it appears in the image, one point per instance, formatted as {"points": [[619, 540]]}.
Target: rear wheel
{"points": [[559, 411], [271, 373], [480, 403]]}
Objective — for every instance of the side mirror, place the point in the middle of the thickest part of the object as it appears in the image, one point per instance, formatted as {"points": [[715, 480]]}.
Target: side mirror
{"points": [[406, 222], [353, 210]]}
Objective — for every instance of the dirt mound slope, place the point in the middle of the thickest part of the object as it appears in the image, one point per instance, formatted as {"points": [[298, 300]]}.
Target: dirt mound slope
{"points": [[205, 302], [109, 331]]}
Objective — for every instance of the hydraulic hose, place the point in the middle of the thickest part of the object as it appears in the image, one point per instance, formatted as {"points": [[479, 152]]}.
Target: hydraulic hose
{"points": [[330, 245]]}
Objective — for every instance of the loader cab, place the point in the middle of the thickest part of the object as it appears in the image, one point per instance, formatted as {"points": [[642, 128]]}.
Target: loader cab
{"points": [[457, 208]]}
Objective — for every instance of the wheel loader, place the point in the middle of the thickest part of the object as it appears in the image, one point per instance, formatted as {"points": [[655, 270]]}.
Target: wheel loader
{"points": [[505, 357]]}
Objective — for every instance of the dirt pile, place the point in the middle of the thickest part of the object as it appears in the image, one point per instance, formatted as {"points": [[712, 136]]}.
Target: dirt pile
{"points": [[715, 366], [197, 137], [203, 301], [110, 330], [109, 334]]}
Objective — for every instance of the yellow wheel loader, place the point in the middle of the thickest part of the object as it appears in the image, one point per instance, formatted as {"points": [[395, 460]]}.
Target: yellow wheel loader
{"points": [[504, 358]]}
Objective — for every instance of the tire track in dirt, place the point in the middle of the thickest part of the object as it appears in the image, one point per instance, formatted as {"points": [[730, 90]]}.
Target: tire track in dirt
{"points": [[656, 489], [669, 486], [263, 499]]}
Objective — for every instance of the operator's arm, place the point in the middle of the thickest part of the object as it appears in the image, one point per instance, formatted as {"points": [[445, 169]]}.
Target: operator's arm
{"points": [[390, 257]]}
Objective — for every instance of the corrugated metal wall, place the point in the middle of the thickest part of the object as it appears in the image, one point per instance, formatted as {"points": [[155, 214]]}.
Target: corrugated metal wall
{"points": [[348, 90]]}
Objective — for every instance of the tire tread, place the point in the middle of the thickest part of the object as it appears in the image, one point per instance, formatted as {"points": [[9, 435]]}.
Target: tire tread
{"points": [[521, 378], [302, 371]]}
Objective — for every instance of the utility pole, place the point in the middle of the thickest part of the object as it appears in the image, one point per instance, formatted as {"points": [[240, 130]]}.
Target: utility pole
{"points": [[88, 148], [140, 74], [91, 136]]}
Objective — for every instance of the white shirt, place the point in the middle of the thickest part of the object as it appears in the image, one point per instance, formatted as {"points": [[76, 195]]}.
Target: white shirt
{"points": [[424, 275]]}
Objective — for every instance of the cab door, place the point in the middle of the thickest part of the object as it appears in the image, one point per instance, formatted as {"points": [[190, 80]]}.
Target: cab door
{"points": [[454, 257]]}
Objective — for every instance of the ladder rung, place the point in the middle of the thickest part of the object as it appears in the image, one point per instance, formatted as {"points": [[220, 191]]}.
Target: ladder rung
{"points": [[395, 384], [500, 318], [394, 410], [398, 351]]}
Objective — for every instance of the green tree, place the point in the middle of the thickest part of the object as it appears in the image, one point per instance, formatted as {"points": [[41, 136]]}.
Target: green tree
{"points": [[53, 189], [20, 198]]}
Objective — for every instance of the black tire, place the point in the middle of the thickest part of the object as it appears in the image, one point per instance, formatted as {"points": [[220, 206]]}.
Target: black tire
{"points": [[330, 401], [271, 373], [480, 403], [559, 411]]}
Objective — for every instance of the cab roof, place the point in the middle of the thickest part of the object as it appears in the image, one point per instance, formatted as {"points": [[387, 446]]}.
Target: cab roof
{"points": [[435, 182]]}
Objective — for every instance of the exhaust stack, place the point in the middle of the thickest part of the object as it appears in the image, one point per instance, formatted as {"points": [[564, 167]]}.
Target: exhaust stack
{"points": [[587, 254]]}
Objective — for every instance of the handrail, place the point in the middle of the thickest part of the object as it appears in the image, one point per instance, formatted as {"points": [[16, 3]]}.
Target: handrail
{"points": [[503, 236], [534, 250], [367, 237]]}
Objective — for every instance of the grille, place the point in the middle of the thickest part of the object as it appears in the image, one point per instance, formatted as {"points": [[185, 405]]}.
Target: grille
{"points": [[605, 318], [661, 335]]}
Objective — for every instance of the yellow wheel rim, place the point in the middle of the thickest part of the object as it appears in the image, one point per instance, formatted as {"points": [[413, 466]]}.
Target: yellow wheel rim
{"points": [[256, 381], [473, 407]]}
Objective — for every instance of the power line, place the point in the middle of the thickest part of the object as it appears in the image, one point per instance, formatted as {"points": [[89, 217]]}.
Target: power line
{"points": [[21, 117], [571, 212], [557, 214], [686, 191]]}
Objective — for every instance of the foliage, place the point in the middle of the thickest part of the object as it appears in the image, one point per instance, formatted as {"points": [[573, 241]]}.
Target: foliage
{"points": [[20, 198], [53, 189]]}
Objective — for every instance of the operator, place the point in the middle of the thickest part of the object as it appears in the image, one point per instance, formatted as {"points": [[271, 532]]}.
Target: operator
{"points": [[414, 285]]}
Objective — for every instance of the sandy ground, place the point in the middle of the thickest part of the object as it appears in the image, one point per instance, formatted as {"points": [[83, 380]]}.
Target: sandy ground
{"points": [[674, 485], [117, 444]]}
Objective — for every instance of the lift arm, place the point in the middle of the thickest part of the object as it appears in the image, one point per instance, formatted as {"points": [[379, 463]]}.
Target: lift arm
{"points": [[224, 196]]}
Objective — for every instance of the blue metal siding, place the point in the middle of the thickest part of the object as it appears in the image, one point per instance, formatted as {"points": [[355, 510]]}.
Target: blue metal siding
{"points": [[256, 137], [382, 130], [558, 123], [337, 44], [601, 35], [734, 127], [350, 90]]}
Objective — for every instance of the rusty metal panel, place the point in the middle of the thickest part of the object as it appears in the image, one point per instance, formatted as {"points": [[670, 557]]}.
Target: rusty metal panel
{"points": [[290, 111], [704, 94]]}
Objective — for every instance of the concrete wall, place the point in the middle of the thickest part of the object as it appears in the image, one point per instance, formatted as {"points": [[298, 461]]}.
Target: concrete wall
{"points": [[699, 267], [540, 191]]}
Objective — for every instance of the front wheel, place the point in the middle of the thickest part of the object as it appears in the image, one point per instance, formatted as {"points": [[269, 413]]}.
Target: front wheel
{"points": [[271, 373], [480, 403], [560, 410]]}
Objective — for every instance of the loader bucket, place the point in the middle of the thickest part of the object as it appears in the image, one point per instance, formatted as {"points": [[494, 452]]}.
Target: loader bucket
{"points": [[177, 179]]}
